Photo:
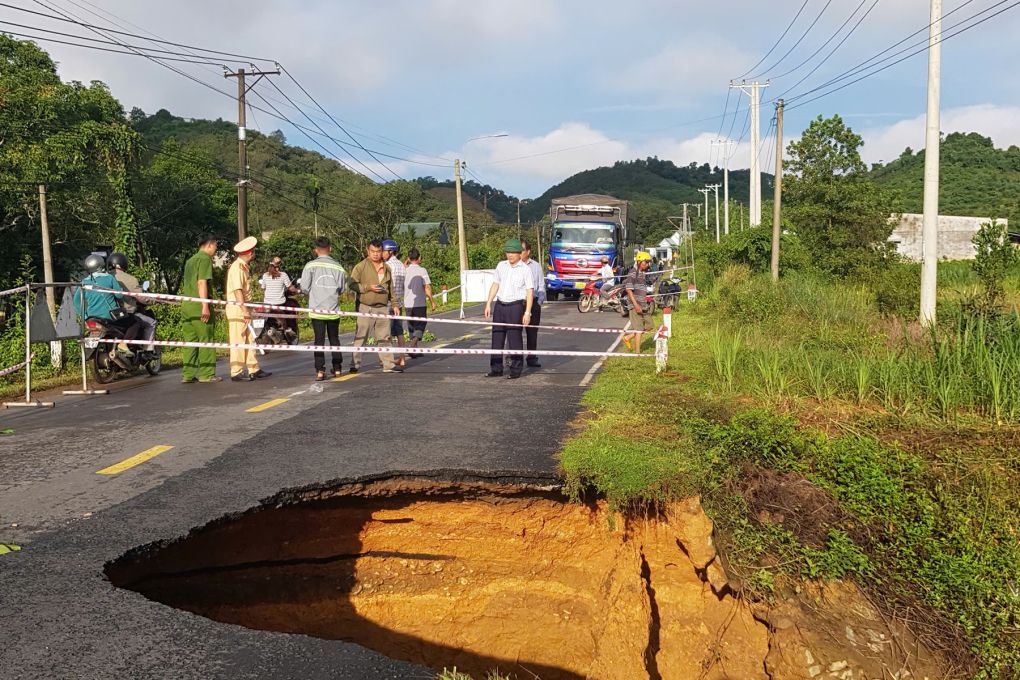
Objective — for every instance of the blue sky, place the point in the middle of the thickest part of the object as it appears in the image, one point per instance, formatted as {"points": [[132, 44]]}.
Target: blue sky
{"points": [[606, 80]]}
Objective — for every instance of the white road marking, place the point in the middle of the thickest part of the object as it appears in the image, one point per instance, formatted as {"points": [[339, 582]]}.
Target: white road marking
{"points": [[598, 364]]}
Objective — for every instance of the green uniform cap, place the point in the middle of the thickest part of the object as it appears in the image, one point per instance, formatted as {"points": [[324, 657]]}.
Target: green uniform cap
{"points": [[512, 245]]}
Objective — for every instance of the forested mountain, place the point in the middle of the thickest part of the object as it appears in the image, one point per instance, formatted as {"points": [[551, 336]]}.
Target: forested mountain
{"points": [[976, 179]]}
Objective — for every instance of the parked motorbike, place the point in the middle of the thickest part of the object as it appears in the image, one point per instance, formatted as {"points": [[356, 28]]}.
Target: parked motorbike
{"points": [[108, 363], [267, 331]]}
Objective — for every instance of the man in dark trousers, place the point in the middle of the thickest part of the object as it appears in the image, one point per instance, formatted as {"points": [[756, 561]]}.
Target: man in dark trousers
{"points": [[538, 278], [323, 280], [513, 292]]}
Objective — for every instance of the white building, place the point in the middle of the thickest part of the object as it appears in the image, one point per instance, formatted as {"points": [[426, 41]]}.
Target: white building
{"points": [[955, 236]]}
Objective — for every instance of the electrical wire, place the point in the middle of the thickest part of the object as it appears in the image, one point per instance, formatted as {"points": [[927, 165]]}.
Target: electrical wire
{"points": [[941, 38], [335, 122], [824, 44], [126, 33], [832, 52], [101, 49], [773, 48], [796, 44]]}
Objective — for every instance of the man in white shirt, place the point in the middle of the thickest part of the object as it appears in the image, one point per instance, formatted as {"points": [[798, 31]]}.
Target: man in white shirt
{"points": [[417, 292], [513, 292], [538, 278], [607, 275]]}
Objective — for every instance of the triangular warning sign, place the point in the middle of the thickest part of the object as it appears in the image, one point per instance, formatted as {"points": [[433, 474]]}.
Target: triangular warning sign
{"points": [[67, 325], [40, 324]]}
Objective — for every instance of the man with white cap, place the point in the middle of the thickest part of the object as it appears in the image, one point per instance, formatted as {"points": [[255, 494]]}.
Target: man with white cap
{"points": [[239, 317]]}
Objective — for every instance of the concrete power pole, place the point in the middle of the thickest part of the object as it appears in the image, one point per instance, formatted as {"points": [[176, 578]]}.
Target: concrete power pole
{"points": [[753, 90], [777, 196], [726, 144], [461, 238], [930, 225], [705, 192], [242, 144], [56, 347], [715, 188]]}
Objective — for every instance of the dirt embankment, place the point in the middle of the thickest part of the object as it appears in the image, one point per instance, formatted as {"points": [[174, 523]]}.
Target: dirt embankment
{"points": [[484, 575]]}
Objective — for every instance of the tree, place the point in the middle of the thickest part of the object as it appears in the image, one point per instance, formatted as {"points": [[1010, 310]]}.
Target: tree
{"points": [[72, 137], [994, 260], [839, 214]]}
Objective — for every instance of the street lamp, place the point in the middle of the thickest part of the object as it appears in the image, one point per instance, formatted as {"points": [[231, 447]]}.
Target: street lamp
{"points": [[461, 237]]}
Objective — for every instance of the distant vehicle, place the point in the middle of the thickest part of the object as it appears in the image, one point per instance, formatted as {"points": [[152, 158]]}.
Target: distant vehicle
{"points": [[584, 228]]}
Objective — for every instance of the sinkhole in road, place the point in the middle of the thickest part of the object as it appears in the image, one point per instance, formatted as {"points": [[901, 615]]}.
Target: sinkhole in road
{"points": [[480, 573]]}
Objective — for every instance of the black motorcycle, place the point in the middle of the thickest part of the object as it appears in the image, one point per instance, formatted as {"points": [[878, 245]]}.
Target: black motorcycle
{"points": [[108, 364]]}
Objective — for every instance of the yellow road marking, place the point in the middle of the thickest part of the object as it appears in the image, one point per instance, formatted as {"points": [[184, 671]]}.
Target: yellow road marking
{"points": [[134, 460], [344, 377], [269, 404]]}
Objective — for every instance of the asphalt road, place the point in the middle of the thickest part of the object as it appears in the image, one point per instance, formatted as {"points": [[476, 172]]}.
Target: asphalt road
{"points": [[61, 618]]}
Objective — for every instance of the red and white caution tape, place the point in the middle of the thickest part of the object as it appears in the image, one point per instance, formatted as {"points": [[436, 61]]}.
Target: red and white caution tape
{"points": [[17, 367], [376, 349], [261, 306]]}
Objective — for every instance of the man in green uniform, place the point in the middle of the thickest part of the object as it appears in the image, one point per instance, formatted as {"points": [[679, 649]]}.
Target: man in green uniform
{"points": [[199, 363]]}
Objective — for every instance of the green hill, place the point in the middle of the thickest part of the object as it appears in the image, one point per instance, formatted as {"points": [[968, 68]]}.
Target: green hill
{"points": [[976, 179]]}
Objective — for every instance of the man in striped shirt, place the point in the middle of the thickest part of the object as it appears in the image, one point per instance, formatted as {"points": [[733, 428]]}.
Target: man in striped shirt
{"points": [[391, 255], [513, 292]]}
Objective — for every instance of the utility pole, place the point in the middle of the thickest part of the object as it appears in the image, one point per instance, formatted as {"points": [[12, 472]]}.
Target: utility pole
{"points": [[715, 188], [777, 196], [705, 192], [56, 347], [687, 221], [242, 144], [753, 90], [726, 144], [930, 224], [461, 238]]}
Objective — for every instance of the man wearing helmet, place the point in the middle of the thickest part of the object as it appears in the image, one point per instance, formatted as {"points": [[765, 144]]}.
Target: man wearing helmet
{"points": [[607, 275], [97, 304], [636, 288], [391, 256], [118, 265]]}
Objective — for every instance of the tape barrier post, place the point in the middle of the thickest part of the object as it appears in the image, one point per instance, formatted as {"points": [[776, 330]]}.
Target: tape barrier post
{"points": [[445, 294], [28, 359], [661, 348], [85, 391]]}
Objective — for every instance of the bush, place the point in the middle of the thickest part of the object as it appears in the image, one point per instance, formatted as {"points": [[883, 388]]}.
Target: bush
{"points": [[745, 298], [897, 289]]}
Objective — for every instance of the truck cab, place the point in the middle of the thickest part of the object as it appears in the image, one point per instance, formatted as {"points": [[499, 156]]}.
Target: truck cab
{"points": [[579, 236]]}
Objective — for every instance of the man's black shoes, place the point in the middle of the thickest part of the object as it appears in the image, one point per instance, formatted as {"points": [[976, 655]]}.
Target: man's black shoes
{"points": [[494, 374], [241, 377], [534, 364], [513, 376], [259, 374]]}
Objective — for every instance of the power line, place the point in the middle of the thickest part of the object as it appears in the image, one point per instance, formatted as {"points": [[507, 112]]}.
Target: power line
{"points": [[328, 115], [773, 48], [126, 33], [942, 37], [834, 49], [824, 44], [796, 44], [101, 49]]}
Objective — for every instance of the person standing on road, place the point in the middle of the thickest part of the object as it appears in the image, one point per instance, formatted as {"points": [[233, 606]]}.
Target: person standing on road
{"points": [[372, 283], [538, 278], [391, 255], [323, 281], [636, 289], [417, 291], [199, 362], [239, 316], [513, 291]]}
